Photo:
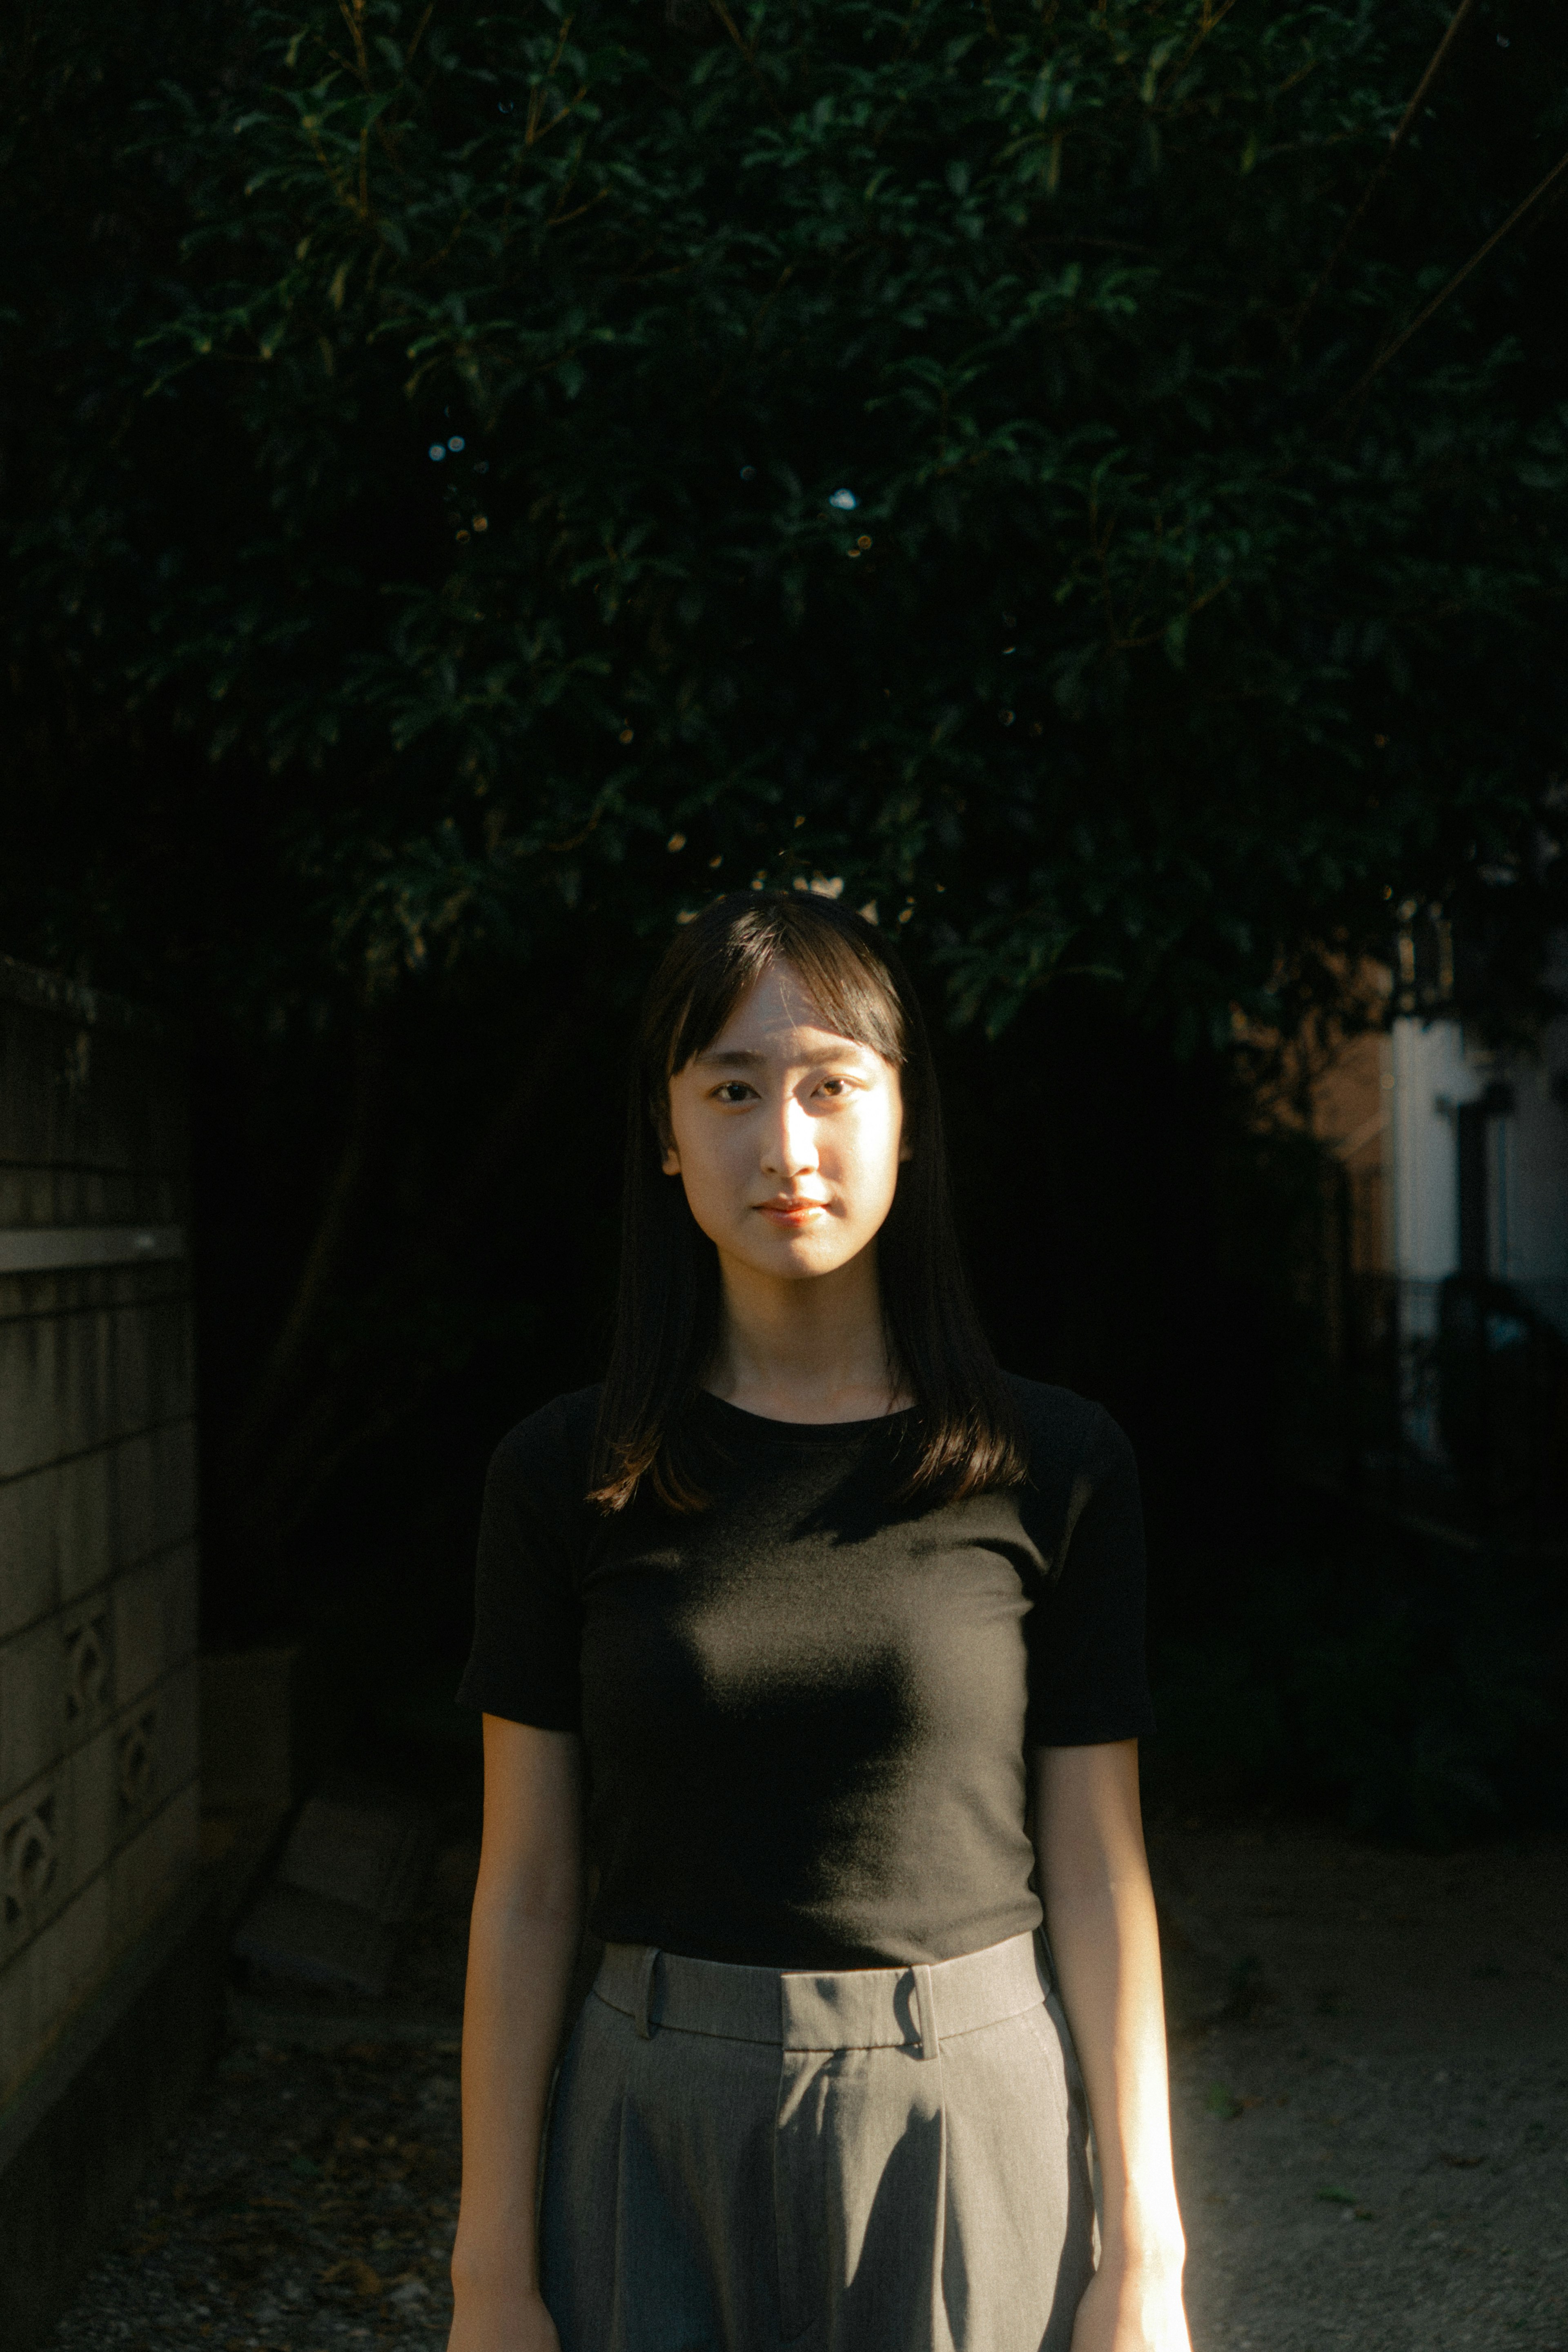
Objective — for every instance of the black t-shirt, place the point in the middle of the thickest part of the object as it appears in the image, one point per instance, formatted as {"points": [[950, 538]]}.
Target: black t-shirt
{"points": [[806, 1709]]}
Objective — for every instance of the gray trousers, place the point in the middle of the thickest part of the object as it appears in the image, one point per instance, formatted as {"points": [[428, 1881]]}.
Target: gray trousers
{"points": [[872, 2160]]}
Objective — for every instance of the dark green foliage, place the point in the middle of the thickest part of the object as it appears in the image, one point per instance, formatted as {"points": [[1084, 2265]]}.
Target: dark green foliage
{"points": [[1152, 646]]}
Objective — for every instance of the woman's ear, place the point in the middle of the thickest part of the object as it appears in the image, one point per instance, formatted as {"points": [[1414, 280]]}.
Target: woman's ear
{"points": [[664, 1136]]}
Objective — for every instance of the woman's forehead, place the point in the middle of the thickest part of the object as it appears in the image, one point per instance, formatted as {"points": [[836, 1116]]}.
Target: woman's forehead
{"points": [[777, 1019]]}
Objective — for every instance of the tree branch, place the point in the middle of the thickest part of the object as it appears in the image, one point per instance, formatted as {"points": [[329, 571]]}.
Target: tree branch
{"points": [[1434, 65], [1455, 281]]}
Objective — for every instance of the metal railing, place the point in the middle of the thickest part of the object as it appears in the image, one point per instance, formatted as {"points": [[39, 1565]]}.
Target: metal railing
{"points": [[1453, 1398]]}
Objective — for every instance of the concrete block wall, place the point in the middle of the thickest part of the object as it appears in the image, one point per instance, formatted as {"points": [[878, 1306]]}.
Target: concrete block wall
{"points": [[98, 1791]]}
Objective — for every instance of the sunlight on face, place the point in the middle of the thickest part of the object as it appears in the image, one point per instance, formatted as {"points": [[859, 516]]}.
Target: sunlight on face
{"points": [[786, 1137]]}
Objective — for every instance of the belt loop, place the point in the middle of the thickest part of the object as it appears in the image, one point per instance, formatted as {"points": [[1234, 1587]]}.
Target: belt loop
{"points": [[930, 2042], [643, 2014]]}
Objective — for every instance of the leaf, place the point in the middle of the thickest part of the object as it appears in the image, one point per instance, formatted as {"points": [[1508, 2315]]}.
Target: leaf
{"points": [[1158, 56]]}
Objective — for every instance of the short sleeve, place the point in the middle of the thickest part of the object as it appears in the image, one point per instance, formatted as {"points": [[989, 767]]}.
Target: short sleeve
{"points": [[1088, 1677], [526, 1661]]}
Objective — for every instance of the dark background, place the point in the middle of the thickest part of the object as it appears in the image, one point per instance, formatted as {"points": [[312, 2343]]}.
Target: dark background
{"points": [[1202, 623]]}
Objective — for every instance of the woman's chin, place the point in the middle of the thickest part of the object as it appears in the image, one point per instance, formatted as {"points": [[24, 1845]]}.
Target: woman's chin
{"points": [[795, 1257]]}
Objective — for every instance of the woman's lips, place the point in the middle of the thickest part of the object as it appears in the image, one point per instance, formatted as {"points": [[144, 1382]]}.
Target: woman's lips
{"points": [[791, 1213]]}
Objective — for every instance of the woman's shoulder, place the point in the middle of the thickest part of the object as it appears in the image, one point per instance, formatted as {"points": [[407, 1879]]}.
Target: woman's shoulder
{"points": [[1066, 1435], [550, 1447], [1081, 1498]]}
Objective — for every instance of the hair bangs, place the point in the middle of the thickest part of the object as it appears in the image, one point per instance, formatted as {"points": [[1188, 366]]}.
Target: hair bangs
{"points": [[850, 989]]}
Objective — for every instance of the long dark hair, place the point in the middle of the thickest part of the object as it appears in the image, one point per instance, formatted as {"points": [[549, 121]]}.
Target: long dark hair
{"points": [[966, 1424]]}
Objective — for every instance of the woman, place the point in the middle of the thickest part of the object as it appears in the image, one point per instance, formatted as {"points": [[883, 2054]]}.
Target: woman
{"points": [[798, 1628]]}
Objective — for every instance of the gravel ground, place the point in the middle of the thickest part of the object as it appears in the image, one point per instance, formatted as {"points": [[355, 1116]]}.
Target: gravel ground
{"points": [[310, 2199], [1373, 2146], [1372, 2138], [309, 2203]]}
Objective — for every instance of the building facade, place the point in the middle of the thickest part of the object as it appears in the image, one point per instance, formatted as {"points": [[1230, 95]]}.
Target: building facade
{"points": [[99, 1782], [1454, 1170]]}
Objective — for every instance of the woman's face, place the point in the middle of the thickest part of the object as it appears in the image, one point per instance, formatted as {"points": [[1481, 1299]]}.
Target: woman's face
{"points": [[786, 1137]]}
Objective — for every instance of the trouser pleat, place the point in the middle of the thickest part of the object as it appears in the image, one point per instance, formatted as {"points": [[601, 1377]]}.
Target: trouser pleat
{"points": [[714, 2194]]}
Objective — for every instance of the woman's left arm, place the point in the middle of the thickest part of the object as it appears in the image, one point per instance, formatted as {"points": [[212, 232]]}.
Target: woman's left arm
{"points": [[1100, 1918]]}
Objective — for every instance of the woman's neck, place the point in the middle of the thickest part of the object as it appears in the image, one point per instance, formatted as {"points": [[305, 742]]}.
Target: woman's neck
{"points": [[805, 1350]]}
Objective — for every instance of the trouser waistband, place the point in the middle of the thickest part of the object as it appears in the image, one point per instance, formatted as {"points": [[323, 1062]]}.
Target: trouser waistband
{"points": [[846, 2009]]}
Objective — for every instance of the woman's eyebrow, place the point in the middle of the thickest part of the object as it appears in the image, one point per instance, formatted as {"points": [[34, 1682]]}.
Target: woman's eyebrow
{"points": [[738, 1057]]}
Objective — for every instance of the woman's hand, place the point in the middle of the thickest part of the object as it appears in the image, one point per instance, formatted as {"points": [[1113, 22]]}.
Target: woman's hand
{"points": [[1132, 2306], [502, 2324]]}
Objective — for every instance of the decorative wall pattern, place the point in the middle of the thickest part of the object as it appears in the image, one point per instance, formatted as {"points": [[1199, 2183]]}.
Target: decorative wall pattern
{"points": [[29, 1852], [99, 1810]]}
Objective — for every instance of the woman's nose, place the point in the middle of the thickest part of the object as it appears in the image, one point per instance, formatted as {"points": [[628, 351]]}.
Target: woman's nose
{"points": [[792, 1146]]}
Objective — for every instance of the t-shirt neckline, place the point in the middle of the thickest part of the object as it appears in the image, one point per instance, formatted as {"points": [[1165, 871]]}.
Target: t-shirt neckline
{"points": [[762, 1430]]}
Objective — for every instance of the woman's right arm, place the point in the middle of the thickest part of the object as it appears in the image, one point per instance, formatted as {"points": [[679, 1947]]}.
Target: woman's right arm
{"points": [[523, 1943]]}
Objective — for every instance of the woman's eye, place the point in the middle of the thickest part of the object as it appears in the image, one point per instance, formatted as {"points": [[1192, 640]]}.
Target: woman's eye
{"points": [[733, 1090], [835, 1086]]}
